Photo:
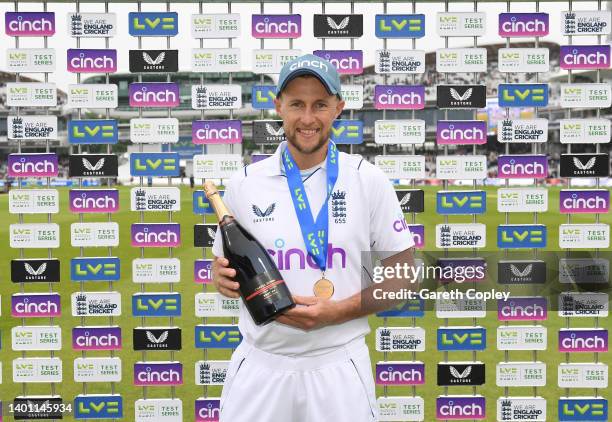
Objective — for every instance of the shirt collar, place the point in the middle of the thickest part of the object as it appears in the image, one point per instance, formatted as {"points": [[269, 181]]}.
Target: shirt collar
{"points": [[274, 163]]}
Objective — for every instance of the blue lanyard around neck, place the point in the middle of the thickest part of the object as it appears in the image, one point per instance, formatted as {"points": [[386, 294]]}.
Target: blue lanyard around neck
{"points": [[314, 232]]}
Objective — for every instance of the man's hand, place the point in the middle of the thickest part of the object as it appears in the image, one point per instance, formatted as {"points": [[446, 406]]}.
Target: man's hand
{"points": [[315, 313], [223, 278]]}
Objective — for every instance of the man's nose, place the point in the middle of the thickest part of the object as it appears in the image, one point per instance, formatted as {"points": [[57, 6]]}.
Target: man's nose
{"points": [[307, 116]]}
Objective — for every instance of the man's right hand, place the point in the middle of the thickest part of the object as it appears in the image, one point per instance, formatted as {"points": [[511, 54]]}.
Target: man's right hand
{"points": [[223, 278]]}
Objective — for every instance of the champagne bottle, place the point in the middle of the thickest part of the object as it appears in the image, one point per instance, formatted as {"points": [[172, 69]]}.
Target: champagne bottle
{"points": [[262, 287]]}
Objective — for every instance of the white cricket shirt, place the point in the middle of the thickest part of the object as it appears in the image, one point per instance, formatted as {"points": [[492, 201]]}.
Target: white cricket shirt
{"points": [[362, 212]]}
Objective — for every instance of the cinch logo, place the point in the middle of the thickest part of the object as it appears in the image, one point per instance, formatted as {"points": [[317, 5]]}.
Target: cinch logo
{"points": [[522, 166], [158, 374], [93, 132], [523, 95], [349, 62], [522, 309], [583, 340], [160, 164], [399, 97], [584, 201], [582, 410], [309, 63], [35, 305], [400, 26], [156, 24], [156, 305], [33, 165], [298, 258], [461, 202], [89, 200], [216, 131], [521, 236], [82, 61], [207, 410], [457, 132], [98, 407], [217, 336], [262, 96], [450, 339], [154, 94], [347, 131], [29, 24], [457, 408], [95, 269], [416, 230], [400, 374], [276, 26], [202, 271], [523, 24], [96, 338], [400, 225], [156, 235], [585, 56]]}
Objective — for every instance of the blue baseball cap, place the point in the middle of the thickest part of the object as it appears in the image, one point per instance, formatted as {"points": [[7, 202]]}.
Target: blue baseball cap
{"points": [[309, 64]]}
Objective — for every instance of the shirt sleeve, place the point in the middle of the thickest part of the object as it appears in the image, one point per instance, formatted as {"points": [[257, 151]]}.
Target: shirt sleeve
{"points": [[217, 248], [389, 232]]}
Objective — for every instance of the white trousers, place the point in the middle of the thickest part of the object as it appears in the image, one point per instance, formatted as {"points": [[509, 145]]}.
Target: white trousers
{"points": [[333, 387]]}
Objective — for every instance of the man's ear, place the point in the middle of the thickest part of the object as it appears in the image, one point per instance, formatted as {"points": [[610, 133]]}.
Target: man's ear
{"points": [[339, 108], [277, 105]]}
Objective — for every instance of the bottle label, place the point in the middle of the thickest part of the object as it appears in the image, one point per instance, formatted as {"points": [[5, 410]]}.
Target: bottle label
{"points": [[263, 289]]}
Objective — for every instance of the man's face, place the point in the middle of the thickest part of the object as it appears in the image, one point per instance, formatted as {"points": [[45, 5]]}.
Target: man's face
{"points": [[308, 111]]}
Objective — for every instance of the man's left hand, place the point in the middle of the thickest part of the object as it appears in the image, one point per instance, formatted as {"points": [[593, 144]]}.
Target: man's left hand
{"points": [[315, 313]]}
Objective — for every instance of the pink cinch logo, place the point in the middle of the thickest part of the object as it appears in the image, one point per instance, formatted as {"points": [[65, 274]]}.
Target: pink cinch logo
{"points": [[88, 61], [585, 57], [276, 26], [298, 258], [154, 94], [29, 24]]}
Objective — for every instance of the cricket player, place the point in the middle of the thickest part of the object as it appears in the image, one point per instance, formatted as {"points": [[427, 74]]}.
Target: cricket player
{"points": [[312, 363]]}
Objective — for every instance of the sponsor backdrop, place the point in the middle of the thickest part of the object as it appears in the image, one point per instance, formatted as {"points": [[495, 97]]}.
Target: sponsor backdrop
{"points": [[112, 313]]}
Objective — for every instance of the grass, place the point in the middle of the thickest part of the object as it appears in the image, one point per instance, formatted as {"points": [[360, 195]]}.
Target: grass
{"points": [[187, 254]]}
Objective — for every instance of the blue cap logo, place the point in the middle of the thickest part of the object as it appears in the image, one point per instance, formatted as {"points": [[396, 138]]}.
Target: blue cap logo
{"points": [[310, 64]]}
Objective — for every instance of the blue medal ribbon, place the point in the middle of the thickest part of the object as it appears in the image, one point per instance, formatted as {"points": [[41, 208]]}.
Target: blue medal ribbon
{"points": [[314, 232]]}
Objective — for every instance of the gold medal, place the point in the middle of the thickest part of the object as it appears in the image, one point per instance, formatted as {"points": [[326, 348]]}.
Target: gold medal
{"points": [[323, 288]]}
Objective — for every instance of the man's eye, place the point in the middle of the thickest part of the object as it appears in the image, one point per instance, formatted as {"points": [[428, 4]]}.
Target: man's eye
{"points": [[321, 105]]}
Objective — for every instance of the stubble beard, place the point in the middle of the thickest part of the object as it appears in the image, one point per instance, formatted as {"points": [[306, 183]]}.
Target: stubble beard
{"points": [[291, 139]]}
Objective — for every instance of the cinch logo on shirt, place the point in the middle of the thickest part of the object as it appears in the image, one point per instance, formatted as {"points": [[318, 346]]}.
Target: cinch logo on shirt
{"points": [[285, 258]]}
